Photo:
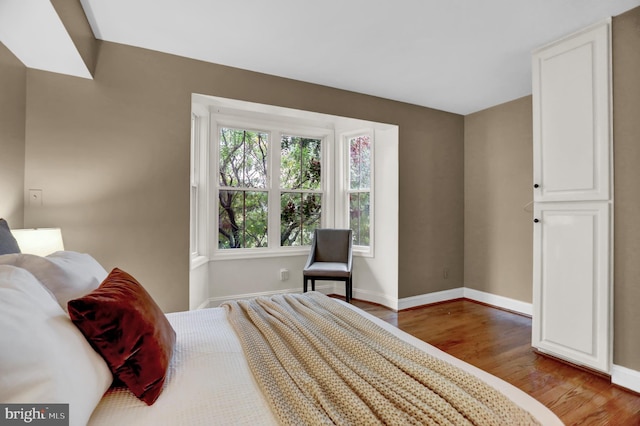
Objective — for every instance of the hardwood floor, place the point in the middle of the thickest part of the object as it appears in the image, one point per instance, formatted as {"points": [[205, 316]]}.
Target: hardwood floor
{"points": [[500, 342]]}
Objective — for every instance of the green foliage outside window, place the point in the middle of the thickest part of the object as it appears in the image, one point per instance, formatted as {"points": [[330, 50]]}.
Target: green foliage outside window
{"points": [[244, 184], [300, 174], [360, 189], [242, 215]]}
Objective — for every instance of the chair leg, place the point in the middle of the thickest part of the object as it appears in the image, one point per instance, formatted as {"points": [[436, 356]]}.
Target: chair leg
{"points": [[349, 289], [304, 286], [313, 284]]}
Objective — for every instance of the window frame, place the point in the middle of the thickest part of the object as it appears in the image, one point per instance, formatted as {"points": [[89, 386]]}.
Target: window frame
{"points": [[275, 129], [325, 191], [345, 188], [199, 183], [194, 186]]}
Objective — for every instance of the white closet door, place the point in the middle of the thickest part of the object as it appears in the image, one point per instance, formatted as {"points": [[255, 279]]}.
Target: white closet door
{"points": [[571, 291], [571, 117]]}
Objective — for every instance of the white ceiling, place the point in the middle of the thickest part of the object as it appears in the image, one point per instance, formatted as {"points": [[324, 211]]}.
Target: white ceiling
{"points": [[32, 30], [455, 55]]}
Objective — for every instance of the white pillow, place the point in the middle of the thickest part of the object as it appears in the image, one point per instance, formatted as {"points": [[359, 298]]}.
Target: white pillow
{"points": [[68, 275], [44, 358]]}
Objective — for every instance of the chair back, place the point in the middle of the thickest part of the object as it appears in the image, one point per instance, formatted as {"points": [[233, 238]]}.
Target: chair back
{"points": [[332, 245]]}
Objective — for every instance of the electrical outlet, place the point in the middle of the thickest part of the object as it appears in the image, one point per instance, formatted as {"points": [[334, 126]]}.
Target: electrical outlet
{"points": [[445, 273], [284, 274]]}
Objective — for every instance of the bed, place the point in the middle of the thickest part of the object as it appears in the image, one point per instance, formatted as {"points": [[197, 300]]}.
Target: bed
{"points": [[228, 393], [208, 379]]}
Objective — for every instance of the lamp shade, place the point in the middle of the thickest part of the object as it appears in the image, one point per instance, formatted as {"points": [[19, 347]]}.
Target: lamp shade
{"points": [[39, 241]]}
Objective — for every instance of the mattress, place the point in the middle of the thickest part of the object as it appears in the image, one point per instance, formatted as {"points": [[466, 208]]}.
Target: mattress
{"points": [[209, 381]]}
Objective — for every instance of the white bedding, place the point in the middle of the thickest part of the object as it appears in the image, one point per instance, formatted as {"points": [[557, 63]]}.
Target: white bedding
{"points": [[209, 381]]}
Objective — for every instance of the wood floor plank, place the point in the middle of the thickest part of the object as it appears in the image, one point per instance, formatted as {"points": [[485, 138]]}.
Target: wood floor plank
{"points": [[500, 342]]}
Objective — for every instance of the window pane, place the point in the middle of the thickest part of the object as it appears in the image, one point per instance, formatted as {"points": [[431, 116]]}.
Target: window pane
{"points": [[360, 162], [242, 219], [359, 213], [300, 163], [299, 217], [243, 158]]}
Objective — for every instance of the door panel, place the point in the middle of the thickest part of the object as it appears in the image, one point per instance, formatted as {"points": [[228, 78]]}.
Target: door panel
{"points": [[571, 282], [571, 108]]}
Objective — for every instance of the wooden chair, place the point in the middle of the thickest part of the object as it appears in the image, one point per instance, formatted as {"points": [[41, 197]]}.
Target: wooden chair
{"points": [[330, 259]]}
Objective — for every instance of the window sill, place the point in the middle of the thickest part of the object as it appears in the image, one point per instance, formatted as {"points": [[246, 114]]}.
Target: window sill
{"points": [[231, 254], [234, 254]]}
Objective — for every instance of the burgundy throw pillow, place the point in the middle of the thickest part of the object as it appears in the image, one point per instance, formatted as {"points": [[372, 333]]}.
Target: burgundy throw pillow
{"points": [[129, 330]]}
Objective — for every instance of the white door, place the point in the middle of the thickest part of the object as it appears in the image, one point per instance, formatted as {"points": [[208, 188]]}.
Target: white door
{"points": [[571, 117], [571, 288]]}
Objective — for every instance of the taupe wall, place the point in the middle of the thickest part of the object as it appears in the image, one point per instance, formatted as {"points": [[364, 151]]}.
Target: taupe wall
{"points": [[498, 173], [12, 137], [431, 200], [626, 135], [112, 158]]}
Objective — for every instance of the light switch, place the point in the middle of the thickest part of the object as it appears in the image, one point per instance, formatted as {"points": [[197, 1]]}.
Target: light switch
{"points": [[35, 197]]}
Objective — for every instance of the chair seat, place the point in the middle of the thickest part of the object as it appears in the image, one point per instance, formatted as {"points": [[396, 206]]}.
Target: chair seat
{"points": [[326, 269]]}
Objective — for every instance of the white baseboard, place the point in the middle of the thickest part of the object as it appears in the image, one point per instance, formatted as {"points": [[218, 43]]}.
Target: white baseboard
{"points": [[204, 305], [625, 377], [426, 299], [469, 293], [499, 301], [369, 296]]}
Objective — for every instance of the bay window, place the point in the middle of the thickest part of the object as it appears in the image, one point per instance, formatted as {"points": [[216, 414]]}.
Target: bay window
{"points": [[273, 179]]}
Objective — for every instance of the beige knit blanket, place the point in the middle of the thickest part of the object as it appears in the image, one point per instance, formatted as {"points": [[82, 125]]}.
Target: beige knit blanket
{"points": [[319, 362]]}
